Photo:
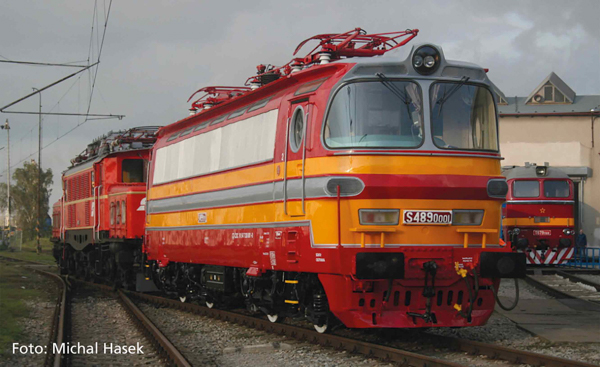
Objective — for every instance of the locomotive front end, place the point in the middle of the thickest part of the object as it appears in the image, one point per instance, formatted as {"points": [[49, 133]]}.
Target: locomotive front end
{"points": [[413, 147]]}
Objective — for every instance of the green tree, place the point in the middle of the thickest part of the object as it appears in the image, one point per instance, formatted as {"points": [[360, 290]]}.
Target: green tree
{"points": [[24, 195]]}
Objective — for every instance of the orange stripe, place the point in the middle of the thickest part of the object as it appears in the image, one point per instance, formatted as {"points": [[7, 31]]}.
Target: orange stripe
{"points": [[530, 222], [323, 216]]}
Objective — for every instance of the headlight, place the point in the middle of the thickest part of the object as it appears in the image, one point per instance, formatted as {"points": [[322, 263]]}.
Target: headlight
{"points": [[516, 230], [467, 217], [568, 232], [429, 61], [379, 217], [426, 60], [417, 61]]}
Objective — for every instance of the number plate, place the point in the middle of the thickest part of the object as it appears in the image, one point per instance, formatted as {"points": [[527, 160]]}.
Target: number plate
{"points": [[542, 232], [427, 217]]}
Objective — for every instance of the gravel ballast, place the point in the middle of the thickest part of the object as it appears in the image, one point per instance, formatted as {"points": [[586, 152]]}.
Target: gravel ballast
{"points": [[99, 319]]}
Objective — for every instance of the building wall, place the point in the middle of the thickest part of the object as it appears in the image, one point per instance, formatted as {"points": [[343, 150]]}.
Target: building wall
{"points": [[563, 142]]}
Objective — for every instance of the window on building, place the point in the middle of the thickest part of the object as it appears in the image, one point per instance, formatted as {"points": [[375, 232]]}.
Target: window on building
{"points": [[133, 170], [526, 189], [556, 189], [549, 94]]}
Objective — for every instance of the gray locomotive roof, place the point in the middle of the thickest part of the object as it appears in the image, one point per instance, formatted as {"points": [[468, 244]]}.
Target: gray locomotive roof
{"points": [[398, 63], [529, 172]]}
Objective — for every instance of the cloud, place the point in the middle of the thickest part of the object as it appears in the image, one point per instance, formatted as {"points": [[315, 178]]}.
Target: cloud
{"points": [[158, 53]]}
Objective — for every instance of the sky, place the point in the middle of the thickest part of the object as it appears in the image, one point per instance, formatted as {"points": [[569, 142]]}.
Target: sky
{"points": [[157, 53]]}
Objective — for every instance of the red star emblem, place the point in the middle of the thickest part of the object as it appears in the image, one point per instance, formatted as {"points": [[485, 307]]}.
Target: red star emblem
{"points": [[542, 210]]}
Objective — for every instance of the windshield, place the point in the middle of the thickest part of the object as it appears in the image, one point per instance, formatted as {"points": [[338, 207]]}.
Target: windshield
{"points": [[463, 117], [379, 114], [526, 189], [556, 189]]}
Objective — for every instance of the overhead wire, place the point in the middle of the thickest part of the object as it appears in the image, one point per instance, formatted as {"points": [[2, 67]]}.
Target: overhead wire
{"points": [[93, 81]]}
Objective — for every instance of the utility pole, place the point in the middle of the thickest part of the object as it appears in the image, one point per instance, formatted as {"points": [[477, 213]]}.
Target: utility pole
{"points": [[39, 193], [6, 127]]}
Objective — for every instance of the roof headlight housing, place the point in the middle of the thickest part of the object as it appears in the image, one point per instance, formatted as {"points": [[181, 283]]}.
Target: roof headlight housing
{"points": [[426, 60]]}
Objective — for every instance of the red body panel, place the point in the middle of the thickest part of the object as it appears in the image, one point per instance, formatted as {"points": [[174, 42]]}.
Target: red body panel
{"points": [[98, 201]]}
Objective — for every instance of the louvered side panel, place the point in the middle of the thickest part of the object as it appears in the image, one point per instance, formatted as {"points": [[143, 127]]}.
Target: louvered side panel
{"points": [[87, 213]]}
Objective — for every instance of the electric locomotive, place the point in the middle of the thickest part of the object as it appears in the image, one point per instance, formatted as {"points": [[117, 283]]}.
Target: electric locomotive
{"points": [[353, 184], [98, 224], [537, 219]]}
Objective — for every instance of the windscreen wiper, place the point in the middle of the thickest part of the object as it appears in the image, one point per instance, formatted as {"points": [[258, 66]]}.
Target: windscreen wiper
{"points": [[456, 87], [397, 92]]}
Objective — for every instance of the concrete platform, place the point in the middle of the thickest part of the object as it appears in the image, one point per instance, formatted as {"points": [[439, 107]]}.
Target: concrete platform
{"points": [[557, 320]]}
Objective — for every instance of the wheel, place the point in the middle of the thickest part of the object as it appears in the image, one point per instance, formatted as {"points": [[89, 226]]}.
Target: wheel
{"points": [[273, 318], [210, 304], [183, 299], [321, 329], [322, 325]]}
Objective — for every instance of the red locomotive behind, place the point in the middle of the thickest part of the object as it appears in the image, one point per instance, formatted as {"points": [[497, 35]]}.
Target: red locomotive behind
{"points": [[348, 185], [538, 218], [98, 224]]}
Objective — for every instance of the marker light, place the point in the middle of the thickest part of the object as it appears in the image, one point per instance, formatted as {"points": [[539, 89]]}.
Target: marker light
{"points": [[379, 217], [497, 188]]}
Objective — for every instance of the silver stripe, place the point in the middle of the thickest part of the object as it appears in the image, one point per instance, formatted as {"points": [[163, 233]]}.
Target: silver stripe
{"points": [[562, 202], [395, 245], [419, 154], [315, 187], [298, 223]]}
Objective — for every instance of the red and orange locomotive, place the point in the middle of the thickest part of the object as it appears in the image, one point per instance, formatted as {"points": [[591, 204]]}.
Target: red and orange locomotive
{"points": [[349, 184], [98, 224], [538, 216]]}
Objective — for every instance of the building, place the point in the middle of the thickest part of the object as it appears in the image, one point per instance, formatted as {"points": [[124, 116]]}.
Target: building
{"points": [[553, 124]]}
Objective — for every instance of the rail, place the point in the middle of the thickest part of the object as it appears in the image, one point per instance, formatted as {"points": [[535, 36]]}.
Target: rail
{"points": [[375, 350], [356, 346], [160, 341], [57, 330]]}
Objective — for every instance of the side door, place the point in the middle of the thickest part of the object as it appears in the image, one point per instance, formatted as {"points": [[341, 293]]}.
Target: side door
{"points": [[294, 181]]}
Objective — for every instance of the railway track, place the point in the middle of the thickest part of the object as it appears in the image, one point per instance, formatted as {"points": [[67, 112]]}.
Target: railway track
{"points": [[383, 352], [370, 349], [563, 284]]}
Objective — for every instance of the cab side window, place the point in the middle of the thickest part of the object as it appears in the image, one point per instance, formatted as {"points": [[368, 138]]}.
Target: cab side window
{"points": [[133, 170]]}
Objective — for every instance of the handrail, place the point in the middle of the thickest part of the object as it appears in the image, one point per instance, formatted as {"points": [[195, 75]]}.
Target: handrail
{"points": [[483, 232]]}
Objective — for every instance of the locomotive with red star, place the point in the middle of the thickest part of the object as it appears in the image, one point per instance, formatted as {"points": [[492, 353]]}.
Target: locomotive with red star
{"points": [[538, 218]]}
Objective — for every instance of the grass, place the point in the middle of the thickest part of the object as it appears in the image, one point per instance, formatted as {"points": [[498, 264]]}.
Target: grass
{"points": [[28, 252], [15, 288]]}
